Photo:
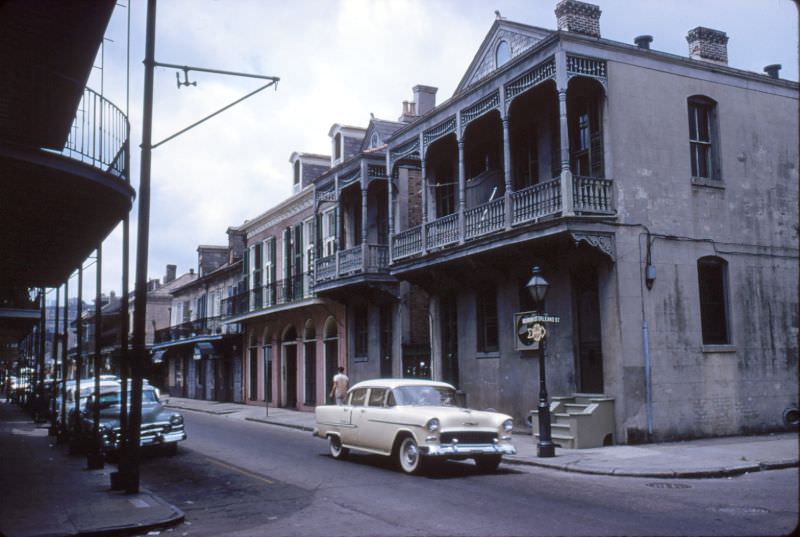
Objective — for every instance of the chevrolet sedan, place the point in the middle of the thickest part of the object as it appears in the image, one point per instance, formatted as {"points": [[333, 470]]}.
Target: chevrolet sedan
{"points": [[413, 421]]}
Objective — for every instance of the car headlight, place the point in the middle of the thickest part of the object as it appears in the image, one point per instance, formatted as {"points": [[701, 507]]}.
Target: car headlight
{"points": [[432, 425], [176, 419], [508, 425]]}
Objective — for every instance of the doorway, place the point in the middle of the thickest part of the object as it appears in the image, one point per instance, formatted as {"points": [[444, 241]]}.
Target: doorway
{"points": [[589, 339]]}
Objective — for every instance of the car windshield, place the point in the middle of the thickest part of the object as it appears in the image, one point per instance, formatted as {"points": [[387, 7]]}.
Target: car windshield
{"points": [[113, 398], [425, 395]]}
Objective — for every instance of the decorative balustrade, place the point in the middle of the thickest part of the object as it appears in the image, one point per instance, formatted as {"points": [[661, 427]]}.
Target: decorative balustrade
{"points": [[326, 269], [484, 219], [99, 135], [537, 201], [592, 195], [408, 242], [442, 231], [350, 260], [205, 326], [377, 258]]}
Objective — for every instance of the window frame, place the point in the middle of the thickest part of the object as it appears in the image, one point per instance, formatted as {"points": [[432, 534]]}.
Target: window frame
{"points": [[498, 63], [487, 342], [708, 141], [714, 301]]}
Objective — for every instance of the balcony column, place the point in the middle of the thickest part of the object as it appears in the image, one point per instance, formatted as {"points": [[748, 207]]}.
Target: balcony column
{"points": [[338, 221], [462, 182], [364, 187], [423, 226], [562, 83], [390, 196], [506, 171]]}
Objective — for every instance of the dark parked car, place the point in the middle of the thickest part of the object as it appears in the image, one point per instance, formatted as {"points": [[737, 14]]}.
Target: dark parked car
{"points": [[160, 427]]}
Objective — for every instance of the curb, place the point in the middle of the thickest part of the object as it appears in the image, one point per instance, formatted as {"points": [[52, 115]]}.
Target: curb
{"points": [[212, 412], [289, 425], [666, 474], [176, 518]]}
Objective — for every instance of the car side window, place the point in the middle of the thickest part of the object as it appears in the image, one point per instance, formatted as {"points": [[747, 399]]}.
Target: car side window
{"points": [[358, 397], [376, 396], [390, 400]]}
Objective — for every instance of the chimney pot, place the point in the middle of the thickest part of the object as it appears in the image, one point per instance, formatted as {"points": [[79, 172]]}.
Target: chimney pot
{"points": [[708, 44], [643, 41], [772, 70], [578, 17], [171, 271]]}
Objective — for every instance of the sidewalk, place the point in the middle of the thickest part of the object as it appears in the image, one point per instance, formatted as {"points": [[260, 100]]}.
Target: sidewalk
{"points": [[47, 492], [712, 457]]}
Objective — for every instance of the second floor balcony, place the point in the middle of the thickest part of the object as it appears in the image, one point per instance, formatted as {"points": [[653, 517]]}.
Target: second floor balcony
{"points": [[263, 298], [363, 259], [206, 326]]}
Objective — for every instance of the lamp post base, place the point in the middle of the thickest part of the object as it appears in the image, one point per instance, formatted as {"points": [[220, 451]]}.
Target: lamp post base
{"points": [[547, 449]]}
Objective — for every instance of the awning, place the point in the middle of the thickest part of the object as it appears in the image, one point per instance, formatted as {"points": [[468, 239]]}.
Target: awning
{"points": [[202, 348], [158, 356]]}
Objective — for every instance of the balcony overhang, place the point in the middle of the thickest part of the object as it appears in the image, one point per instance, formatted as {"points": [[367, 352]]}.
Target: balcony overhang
{"points": [[55, 211], [275, 309], [597, 235], [346, 284], [187, 341]]}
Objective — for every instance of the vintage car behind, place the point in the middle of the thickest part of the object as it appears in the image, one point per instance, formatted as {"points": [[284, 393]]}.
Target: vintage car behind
{"points": [[413, 421], [160, 427]]}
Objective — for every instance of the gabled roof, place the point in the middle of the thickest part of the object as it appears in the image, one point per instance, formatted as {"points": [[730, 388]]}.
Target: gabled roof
{"points": [[520, 37], [383, 127]]}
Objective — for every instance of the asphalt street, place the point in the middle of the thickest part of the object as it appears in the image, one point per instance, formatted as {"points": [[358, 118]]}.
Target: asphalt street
{"points": [[241, 478]]}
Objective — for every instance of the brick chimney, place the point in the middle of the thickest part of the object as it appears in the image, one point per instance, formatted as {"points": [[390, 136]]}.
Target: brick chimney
{"points": [[409, 112], [425, 97], [578, 17], [708, 45], [170, 275]]}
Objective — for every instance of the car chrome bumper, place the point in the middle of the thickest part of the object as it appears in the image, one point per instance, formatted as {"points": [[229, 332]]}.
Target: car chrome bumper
{"points": [[446, 450], [163, 438]]}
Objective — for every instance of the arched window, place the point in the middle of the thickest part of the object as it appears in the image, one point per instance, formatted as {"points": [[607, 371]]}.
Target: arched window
{"points": [[502, 53], [712, 276], [375, 141]]}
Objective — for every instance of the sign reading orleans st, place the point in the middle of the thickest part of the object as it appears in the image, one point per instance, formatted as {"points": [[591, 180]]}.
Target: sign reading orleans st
{"points": [[530, 329]]}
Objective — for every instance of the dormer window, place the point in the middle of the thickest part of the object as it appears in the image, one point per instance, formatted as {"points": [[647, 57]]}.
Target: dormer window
{"points": [[337, 146], [375, 141], [296, 183], [502, 53]]}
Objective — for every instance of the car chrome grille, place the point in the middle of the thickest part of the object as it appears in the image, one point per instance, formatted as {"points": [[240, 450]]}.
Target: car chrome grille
{"points": [[468, 437]]}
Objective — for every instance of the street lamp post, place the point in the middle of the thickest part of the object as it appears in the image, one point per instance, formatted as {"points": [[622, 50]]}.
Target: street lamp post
{"points": [[538, 286]]}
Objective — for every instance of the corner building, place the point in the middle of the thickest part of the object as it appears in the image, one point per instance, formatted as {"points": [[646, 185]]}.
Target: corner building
{"points": [[658, 194]]}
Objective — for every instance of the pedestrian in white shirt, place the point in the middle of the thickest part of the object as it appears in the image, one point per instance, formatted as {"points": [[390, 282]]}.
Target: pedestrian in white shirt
{"points": [[340, 385]]}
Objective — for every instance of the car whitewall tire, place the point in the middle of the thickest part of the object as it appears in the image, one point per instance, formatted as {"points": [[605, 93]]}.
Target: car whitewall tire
{"points": [[409, 457], [335, 447]]}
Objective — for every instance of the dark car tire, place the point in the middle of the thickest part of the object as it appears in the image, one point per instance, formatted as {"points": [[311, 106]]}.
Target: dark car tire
{"points": [[409, 458], [335, 447], [488, 463]]}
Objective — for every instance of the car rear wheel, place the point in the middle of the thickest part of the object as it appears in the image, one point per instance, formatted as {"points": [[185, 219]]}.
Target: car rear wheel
{"points": [[408, 456], [488, 463], [335, 447]]}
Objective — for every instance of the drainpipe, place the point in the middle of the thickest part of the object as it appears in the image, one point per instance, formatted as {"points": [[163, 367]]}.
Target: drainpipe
{"points": [[648, 403]]}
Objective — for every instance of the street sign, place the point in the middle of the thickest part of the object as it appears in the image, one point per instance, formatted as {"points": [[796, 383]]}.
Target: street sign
{"points": [[530, 329]]}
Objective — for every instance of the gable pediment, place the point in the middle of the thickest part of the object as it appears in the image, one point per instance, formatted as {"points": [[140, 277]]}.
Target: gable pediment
{"points": [[519, 37]]}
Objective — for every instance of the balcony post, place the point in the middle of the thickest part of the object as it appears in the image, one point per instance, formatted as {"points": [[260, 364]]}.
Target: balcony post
{"points": [[364, 192], [423, 226], [562, 83], [506, 169], [390, 196], [462, 181]]}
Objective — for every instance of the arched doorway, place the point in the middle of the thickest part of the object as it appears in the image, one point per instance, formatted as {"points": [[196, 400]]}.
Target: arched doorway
{"points": [[289, 350], [331, 341]]}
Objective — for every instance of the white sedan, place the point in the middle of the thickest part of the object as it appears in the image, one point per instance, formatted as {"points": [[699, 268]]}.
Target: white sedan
{"points": [[413, 421]]}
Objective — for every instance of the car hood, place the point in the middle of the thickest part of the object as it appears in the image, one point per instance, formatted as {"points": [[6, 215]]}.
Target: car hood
{"points": [[453, 417], [151, 413]]}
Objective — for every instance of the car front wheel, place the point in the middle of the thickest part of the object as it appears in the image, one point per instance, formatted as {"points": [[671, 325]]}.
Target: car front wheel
{"points": [[409, 457], [335, 447]]}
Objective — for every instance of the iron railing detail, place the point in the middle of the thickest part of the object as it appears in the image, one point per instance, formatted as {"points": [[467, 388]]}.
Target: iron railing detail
{"points": [[537, 201], [408, 242], [405, 150], [99, 135], [484, 219], [577, 65], [376, 172], [350, 260], [442, 129], [475, 111], [351, 177], [544, 71], [593, 195], [442, 231], [325, 269], [205, 326]]}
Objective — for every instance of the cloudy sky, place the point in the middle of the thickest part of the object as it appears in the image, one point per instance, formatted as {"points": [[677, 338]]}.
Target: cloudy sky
{"points": [[338, 61]]}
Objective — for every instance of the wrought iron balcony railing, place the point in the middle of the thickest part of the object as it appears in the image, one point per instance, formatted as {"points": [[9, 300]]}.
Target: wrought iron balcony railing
{"points": [[99, 135], [206, 326], [363, 259], [590, 196], [267, 296]]}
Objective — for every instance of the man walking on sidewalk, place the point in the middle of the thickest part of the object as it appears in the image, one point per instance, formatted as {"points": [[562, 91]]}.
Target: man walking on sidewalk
{"points": [[340, 385]]}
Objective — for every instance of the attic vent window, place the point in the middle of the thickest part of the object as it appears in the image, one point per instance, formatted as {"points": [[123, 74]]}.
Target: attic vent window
{"points": [[502, 53], [375, 141]]}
